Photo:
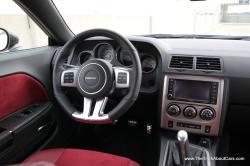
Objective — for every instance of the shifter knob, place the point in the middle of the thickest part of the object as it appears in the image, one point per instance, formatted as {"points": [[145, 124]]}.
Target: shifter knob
{"points": [[182, 138]]}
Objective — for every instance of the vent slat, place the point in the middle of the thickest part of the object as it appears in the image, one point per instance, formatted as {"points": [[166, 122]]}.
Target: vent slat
{"points": [[188, 62], [212, 63], [208, 63], [209, 59], [181, 62], [182, 59]]}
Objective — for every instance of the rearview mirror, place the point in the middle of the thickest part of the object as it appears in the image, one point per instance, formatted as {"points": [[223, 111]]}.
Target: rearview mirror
{"points": [[8, 41], [4, 39]]}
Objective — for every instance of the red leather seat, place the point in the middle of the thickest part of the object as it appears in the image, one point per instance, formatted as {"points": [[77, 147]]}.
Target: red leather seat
{"points": [[77, 157]]}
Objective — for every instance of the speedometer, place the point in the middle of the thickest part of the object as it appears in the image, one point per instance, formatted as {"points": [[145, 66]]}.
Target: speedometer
{"points": [[105, 51]]}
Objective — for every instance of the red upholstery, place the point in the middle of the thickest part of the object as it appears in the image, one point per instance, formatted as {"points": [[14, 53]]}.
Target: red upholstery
{"points": [[18, 91], [76, 157]]}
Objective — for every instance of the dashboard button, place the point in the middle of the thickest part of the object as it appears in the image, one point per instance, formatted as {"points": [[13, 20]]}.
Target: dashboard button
{"points": [[68, 77], [122, 78], [187, 125], [170, 124], [170, 96], [207, 129]]}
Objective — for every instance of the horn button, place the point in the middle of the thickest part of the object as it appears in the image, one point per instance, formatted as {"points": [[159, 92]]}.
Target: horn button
{"points": [[95, 79], [92, 78]]}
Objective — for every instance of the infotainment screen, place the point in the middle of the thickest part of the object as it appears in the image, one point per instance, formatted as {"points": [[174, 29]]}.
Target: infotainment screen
{"points": [[192, 90]]}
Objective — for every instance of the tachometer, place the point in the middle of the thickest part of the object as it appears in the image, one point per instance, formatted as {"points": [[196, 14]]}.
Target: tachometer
{"points": [[105, 51], [148, 63]]}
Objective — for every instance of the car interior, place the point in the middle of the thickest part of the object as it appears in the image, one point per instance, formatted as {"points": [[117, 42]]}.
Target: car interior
{"points": [[100, 98]]}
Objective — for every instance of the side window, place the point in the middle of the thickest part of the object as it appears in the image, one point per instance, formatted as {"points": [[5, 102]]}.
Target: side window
{"points": [[21, 31]]}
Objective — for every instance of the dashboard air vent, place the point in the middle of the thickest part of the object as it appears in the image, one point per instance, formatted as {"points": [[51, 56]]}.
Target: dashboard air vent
{"points": [[213, 64], [181, 62]]}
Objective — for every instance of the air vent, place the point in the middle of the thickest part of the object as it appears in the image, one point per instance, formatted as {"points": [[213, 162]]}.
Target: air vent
{"points": [[213, 64], [181, 62]]}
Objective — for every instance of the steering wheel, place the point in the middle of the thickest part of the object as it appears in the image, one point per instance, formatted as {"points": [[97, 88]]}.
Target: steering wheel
{"points": [[96, 79]]}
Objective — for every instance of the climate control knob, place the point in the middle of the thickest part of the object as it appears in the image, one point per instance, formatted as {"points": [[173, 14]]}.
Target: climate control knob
{"points": [[174, 110], [190, 112], [207, 114]]}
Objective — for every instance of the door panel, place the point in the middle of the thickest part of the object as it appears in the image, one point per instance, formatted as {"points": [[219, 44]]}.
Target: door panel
{"points": [[27, 118]]}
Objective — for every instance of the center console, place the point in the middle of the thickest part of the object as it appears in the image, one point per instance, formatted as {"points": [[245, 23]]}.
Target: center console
{"points": [[192, 103]]}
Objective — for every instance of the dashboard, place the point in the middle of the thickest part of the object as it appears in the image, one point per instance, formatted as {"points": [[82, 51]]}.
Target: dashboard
{"points": [[197, 80]]}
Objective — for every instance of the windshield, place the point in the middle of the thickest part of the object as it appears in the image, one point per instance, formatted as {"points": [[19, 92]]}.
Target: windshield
{"points": [[141, 17]]}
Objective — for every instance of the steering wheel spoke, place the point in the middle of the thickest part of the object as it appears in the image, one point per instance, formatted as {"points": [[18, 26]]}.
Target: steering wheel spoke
{"points": [[122, 76], [87, 104], [68, 77], [93, 111], [99, 107]]}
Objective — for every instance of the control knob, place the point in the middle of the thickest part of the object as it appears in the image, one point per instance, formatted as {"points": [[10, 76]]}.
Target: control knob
{"points": [[174, 110], [190, 112], [207, 114], [170, 96]]}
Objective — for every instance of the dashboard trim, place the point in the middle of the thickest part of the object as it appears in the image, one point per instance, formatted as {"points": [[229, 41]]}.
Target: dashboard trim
{"points": [[214, 123]]}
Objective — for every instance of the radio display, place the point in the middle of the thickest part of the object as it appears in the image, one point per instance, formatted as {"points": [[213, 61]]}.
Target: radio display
{"points": [[192, 90]]}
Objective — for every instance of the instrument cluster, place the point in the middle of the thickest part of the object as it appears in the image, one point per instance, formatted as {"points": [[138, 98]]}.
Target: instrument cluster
{"points": [[114, 55]]}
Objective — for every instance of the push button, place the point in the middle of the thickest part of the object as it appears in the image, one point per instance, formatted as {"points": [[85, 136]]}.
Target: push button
{"points": [[91, 78], [68, 77], [187, 125], [122, 78], [207, 129], [170, 124]]}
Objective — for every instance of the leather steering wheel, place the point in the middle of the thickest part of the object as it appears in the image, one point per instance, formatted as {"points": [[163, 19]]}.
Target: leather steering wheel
{"points": [[96, 79]]}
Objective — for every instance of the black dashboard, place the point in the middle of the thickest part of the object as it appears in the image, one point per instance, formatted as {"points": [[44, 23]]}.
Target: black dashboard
{"points": [[224, 63]]}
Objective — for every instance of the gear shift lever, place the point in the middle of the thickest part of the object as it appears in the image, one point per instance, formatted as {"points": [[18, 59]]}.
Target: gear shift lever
{"points": [[182, 143]]}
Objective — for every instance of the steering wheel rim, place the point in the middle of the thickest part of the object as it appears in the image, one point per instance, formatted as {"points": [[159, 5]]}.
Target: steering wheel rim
{"points": [[134, 79]]}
